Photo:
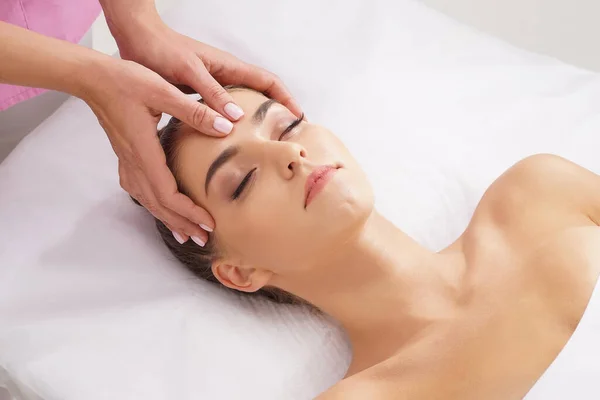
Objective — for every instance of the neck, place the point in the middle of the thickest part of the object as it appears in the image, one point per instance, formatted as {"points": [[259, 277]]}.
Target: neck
{"points": [[383, 287]]}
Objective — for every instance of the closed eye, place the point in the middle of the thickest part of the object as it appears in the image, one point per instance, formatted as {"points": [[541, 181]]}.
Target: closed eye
{"points": [[291, 126], [240, 189]]}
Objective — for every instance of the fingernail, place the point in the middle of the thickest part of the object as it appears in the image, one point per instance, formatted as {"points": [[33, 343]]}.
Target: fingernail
{"points": [[206, 228], [222, 125], [198, 241], [179, 238], [234, 111]]}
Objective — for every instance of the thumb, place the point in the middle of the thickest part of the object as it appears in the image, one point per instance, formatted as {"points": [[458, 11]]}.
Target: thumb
{"points": [[212, 92], [199, 116]]}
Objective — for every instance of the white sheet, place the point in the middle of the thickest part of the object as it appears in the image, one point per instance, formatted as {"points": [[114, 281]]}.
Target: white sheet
{"points": [[93, 307], [574, 373]]}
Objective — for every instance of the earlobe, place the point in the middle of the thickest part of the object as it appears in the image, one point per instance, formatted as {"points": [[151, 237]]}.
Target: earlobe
{"points": [[241, 278]]}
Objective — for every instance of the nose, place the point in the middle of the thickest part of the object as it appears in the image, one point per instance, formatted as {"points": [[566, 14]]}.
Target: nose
{"points": [[289, 157]]}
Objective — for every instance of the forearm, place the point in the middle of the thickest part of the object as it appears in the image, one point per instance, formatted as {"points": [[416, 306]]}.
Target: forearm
{"points": [[125, 16], [31, 59]]}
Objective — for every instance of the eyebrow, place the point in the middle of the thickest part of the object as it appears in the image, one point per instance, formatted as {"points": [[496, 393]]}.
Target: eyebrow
{"points": [[230, 152], [225, 156], [261, 111]]}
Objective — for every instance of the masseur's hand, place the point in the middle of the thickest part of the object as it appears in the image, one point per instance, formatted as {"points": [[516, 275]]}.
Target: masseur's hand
{"points": [[128, 100], [184, 61], [143, 37]]}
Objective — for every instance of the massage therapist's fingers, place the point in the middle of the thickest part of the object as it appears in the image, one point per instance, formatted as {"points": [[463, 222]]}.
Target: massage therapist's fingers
{"points": [[236, 72], [128, 100], [135, 184], [182, 60], [233, 71], [183, 230], [197, 115], [184, 206], [181, 227], [152, 162], [182, 234], [211, 91], [270, 84], [180, 213]]}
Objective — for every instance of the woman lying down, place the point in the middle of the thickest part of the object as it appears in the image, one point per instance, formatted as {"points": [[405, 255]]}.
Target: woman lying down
{"points": [[481, 319]]}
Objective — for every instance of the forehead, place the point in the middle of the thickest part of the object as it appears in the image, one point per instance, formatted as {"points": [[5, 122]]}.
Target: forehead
{"points": [[197, 151], [248, 100]]}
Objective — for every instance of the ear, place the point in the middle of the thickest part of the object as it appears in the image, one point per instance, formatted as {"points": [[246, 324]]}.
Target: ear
{"points": [[244, 279]]}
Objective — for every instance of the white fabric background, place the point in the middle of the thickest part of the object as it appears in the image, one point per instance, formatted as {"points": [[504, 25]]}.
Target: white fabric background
{"points": [[565, 29]]}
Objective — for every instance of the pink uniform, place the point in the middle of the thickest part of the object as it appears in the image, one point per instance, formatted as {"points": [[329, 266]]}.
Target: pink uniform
{"points": [[63, 19]]}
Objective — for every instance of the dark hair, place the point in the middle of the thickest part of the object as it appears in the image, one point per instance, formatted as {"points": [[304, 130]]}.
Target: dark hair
{"points": [[199, 259]]}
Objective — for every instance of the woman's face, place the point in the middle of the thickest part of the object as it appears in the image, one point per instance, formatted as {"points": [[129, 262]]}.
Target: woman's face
{"points": [[254, 184]]}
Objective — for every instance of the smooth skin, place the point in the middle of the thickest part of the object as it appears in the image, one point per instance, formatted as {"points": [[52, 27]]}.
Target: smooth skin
{"points": [[481, 319], [129, 96]]}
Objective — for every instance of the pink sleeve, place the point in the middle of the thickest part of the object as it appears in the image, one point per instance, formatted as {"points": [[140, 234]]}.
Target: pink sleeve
{"points": [[63, 19]]}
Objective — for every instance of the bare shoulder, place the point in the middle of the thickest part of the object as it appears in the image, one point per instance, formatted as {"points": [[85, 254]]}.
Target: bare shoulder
{"points": [[544, 183], [360, 387], [374, 382], [347, 391], [396, 378], [547, 172]]}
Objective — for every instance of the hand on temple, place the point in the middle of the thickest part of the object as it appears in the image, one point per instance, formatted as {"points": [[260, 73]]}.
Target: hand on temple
{"points": [[144, 38], [184, 61], [129, 100]]}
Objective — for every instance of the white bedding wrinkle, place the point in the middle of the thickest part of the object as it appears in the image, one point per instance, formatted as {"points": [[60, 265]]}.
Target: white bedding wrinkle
{"points": [[93, 306]]}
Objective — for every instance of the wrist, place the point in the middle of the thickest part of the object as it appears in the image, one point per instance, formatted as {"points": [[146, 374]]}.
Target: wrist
{"points": [[128, 23], [139, 39], [94, 74]]}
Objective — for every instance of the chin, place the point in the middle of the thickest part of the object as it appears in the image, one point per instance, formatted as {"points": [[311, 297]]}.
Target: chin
{"points": [[350, 208], [336, 217], [356, 210]]}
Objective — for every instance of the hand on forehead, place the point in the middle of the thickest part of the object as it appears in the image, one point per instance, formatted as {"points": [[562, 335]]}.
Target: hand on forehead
{"points": [[197, 152]]}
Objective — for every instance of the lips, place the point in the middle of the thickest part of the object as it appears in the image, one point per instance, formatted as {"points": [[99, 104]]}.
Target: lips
{"points": [[316, 181]]}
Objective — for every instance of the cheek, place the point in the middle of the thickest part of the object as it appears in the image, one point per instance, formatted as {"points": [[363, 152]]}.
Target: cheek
{"points": [[324, 147], [265, 232], [354, 192], [272, 230], [344, 208]]}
